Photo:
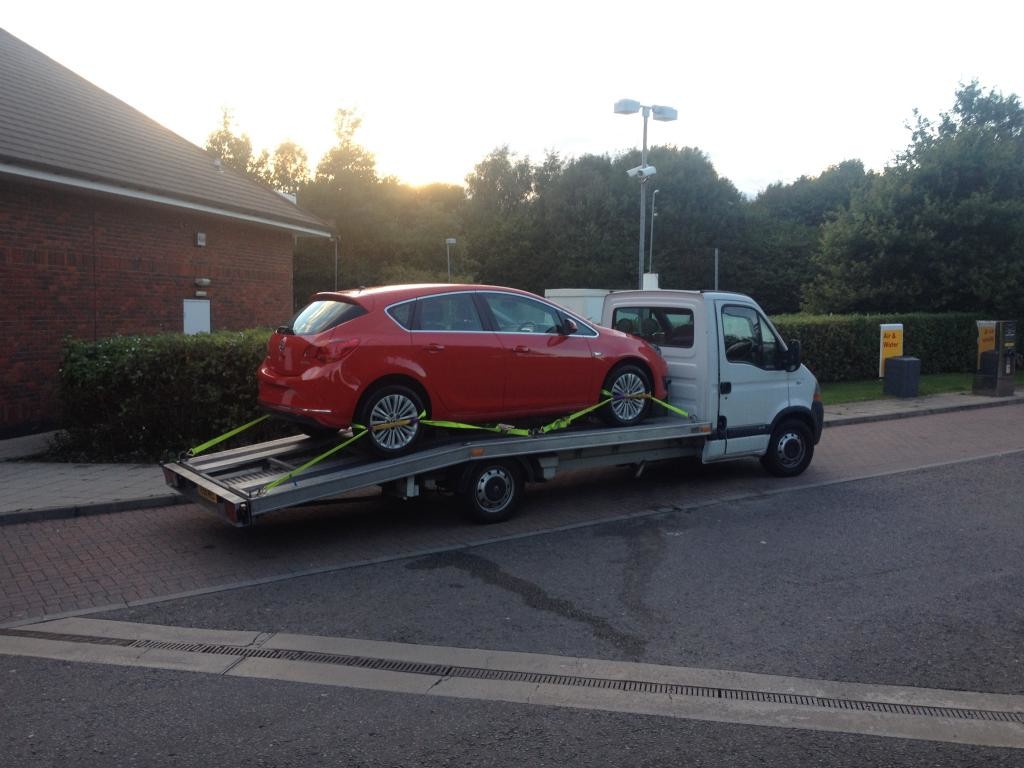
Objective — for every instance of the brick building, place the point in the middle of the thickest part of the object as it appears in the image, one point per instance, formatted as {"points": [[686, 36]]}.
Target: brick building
{"points": [[112, 224]]}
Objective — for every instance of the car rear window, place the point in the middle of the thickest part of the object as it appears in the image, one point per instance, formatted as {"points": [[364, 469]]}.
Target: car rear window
{"points": [[323, 314]]}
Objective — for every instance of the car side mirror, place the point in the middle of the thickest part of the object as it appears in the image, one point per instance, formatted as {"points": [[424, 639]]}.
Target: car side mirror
{"points": [[569, 327], [794, 356]]}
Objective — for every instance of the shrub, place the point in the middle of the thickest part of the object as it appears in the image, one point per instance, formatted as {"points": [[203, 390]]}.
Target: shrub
{"points": [[151, 397], [845, 347]]}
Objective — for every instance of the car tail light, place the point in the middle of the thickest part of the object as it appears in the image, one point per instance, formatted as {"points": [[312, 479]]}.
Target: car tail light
{"points": [[330, 352]]}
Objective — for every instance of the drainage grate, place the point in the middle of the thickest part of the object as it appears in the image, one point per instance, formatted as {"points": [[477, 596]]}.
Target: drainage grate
{"points": [[536, 678]]}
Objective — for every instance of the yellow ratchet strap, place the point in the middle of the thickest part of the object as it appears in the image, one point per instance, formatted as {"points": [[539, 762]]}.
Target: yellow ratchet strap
{"points": [[217, 440], [652, 398], [285, 478], [567, 421], [501, 429]]}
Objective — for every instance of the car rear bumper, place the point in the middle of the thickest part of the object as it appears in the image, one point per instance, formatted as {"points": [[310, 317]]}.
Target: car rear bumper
{"points": [[307, 405]]}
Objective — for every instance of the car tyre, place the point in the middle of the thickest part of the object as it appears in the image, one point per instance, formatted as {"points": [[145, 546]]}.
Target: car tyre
{"points": [[386, 405], [790, 449], [491, 490], [625, 380]]}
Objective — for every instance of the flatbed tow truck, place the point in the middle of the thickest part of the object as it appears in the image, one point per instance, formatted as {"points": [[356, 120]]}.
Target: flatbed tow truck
{"points": [[744, 391], [488, 472]]}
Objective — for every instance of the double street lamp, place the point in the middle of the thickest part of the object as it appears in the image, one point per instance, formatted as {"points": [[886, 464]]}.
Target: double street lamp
{"points": [[644, 171]]}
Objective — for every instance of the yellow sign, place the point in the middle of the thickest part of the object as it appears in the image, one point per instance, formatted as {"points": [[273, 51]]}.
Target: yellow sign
{"points": [[986, 338], [890, 344]]}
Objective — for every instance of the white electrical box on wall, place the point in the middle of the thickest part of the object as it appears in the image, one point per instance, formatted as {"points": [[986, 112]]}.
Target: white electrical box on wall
{"points": [[197, 316]]}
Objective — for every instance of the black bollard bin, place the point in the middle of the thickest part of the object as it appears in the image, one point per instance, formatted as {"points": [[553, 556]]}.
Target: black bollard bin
{"points": [[902, 376]]}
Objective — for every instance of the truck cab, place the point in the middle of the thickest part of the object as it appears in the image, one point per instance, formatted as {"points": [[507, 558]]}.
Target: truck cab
{"points": [[729, 366]]}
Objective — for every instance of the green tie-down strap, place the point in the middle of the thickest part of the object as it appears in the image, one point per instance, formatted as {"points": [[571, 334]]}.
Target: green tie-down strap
{"points": [[501, 429], [567, 421], [285, 478], [647, 396], [217, 440]]}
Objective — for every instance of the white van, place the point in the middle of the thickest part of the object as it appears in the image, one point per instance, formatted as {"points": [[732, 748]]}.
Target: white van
{"points": [[730, 367]]}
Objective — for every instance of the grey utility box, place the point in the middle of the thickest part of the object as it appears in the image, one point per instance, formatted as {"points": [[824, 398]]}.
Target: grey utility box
{"points": [[902, 375]]}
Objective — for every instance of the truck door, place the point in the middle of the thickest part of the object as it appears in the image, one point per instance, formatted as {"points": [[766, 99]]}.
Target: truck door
{"points": [[753, 384]]}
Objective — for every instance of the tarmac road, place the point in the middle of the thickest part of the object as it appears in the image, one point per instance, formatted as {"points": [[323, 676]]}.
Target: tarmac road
{"points": [[910, 579]]}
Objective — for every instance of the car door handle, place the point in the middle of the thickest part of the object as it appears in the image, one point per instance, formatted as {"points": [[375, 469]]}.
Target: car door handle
{"points": [[435, 347], [521, 348], [725, 387]]}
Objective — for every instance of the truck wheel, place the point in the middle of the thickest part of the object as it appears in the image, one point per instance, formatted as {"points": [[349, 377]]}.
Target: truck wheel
{"points": [[491, 490], [790, 449], [398, 406], [623, 381]]}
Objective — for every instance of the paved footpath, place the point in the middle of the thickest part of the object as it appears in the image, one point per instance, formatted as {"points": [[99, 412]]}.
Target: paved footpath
{"points": [[66, 566]]}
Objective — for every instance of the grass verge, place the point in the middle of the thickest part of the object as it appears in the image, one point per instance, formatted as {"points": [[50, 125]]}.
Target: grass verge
{"points": [[932, 384]]}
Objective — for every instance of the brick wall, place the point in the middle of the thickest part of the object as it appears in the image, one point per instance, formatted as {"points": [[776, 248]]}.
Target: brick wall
{"points": [[91, 267]]}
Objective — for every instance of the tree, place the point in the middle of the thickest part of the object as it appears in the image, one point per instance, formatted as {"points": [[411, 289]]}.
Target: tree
{"points": [[698, 211], [782, 234], [289, 168], [498, 224], [347, 192], [235, 151], [943, 228], [347, 160]]}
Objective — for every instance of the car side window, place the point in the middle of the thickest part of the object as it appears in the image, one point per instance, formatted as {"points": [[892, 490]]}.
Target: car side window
{"points": [[664, 326], [448, 312], [519, 314], [402, 314], [748, 338]]}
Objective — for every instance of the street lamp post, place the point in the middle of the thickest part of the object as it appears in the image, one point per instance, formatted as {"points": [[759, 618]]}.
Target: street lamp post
{"points": [[654, 212], [448, 243], [644, 171]]}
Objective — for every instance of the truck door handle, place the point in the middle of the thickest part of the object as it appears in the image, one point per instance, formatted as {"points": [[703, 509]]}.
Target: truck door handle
{"points": [[435, 347], [521, 348], [725, 388]]}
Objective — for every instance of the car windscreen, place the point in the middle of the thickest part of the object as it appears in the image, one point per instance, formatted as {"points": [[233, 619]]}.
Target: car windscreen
{"points": [[323, 314]]}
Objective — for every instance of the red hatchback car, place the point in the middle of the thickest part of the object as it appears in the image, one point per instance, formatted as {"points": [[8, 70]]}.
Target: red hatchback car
{"points": [[466, 353]]}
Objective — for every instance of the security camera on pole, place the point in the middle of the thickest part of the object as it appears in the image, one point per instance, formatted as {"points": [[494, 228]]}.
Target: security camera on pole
{"points": [[644, 171]]}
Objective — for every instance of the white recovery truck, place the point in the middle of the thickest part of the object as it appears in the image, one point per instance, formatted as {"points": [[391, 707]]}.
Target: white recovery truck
{"points": [[745, 390]]}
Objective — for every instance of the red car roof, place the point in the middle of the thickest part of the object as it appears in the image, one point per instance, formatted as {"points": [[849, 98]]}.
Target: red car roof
{"points": [[389, 294]]}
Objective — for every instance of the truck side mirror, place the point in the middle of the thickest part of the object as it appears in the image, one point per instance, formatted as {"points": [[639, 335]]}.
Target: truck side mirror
{"points": [[794, 356]]}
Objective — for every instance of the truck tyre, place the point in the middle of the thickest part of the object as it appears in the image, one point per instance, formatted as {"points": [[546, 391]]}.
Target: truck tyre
{"points": [[386, 405], [625, 380], [790, 449], [491, 490]]}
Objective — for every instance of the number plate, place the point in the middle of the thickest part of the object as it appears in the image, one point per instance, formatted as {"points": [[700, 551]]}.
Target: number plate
{"points": [[208, 495]]}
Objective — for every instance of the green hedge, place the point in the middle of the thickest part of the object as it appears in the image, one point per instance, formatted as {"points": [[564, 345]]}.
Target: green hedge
{"points": [[151, 397], [845, 347]]}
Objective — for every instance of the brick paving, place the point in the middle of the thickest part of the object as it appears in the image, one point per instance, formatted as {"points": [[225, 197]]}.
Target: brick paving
{"points": [[57, 566]]}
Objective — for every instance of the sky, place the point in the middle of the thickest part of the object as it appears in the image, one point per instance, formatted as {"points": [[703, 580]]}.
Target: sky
{"points": [[770, 91]]}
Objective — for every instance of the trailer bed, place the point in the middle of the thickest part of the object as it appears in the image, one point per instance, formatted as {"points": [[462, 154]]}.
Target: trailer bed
{"points": [[233, 482]]}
